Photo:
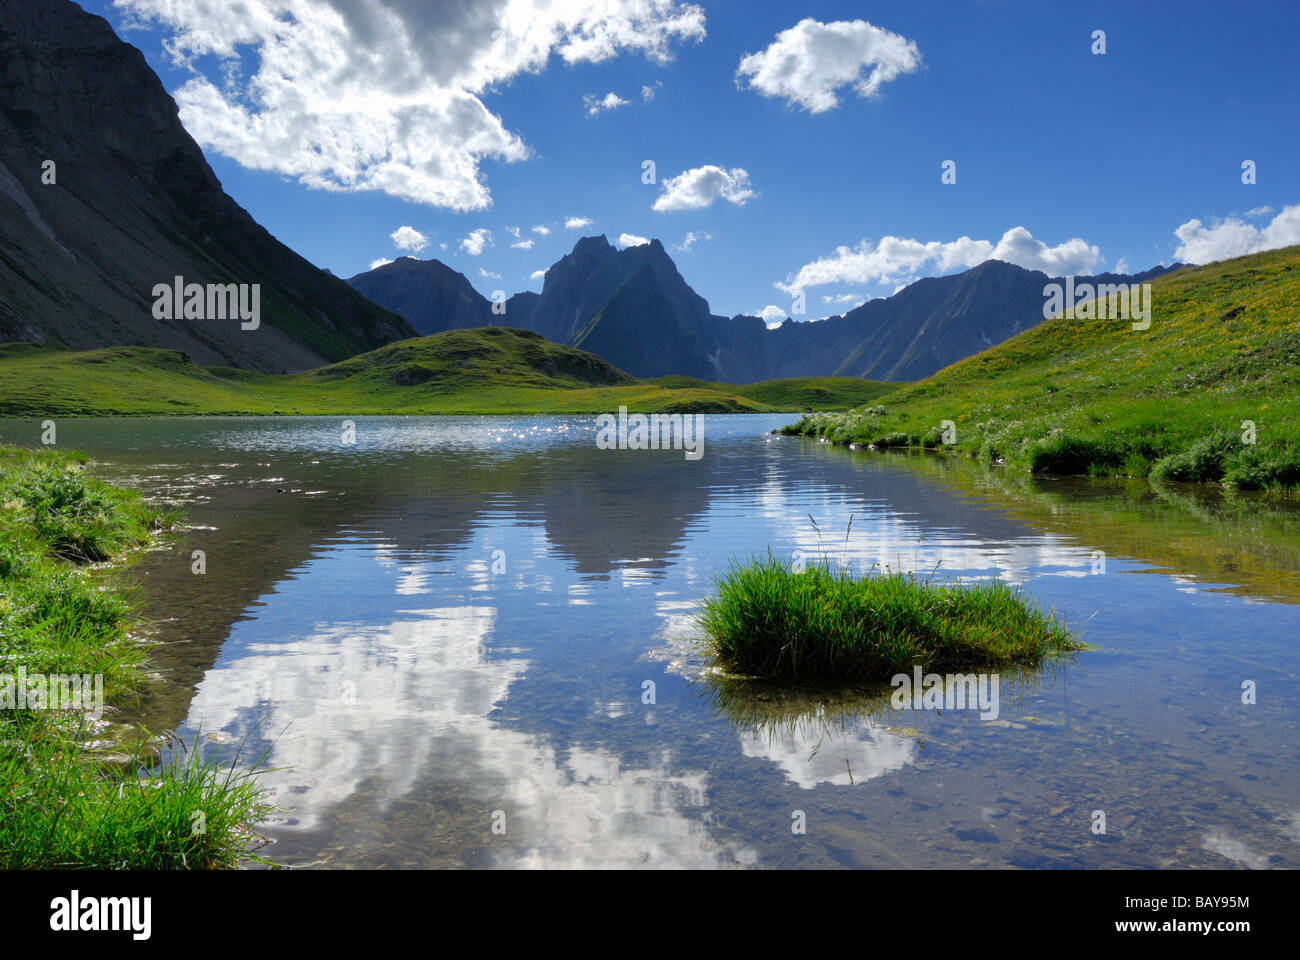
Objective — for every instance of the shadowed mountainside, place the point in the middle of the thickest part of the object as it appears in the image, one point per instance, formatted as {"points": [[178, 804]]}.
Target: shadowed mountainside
{"points": [[133, 203]]}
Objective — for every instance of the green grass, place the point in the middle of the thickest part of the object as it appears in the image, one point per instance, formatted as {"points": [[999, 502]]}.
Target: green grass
{"points": [[61, 810], [53, 518], [59, 807], [489, 370], [1093, 396], [825, 624]]}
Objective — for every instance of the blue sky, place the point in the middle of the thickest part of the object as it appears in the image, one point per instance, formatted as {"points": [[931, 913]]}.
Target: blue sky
{"points": [[336, 129]]}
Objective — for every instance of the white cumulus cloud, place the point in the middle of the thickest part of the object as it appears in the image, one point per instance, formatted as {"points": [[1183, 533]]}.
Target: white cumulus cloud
{"points": [[488, 275], [895, 258], [374, 264], [537, 275], [477, 241], [807, 64], [595, 104], [630, 240], [691, 239], [701, 186], [367, 95], [772, 315], [541, 231], [1234, 238], [408, 238], [577, 223]]}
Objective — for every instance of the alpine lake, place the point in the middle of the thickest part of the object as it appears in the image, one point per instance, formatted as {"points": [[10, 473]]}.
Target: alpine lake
{"points": [[469, 642]]}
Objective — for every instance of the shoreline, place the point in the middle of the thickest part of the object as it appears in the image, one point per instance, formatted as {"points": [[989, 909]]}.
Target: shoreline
{"points": [[68, 803]]}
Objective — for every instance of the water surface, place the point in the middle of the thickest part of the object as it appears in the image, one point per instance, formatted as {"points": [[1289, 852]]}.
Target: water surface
{"points": [[456, 623]]}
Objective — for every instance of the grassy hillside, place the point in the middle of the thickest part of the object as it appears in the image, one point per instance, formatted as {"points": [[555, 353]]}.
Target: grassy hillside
{"points": [[483, 370], [793, 393], [1095, 396]]}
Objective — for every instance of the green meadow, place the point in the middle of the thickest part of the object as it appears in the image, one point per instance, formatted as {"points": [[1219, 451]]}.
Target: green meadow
{"points": [[488, 370]]}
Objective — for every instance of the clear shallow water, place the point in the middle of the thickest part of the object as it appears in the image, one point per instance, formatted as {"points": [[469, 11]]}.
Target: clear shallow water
{"points": [[452, 623]]}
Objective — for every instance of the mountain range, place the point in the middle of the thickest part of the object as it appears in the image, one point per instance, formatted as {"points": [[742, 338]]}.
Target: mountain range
{"points": [[104, 196], [633, 308]]}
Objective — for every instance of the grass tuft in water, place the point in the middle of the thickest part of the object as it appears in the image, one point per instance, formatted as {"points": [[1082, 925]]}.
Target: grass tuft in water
{"points": [[825, 623]]}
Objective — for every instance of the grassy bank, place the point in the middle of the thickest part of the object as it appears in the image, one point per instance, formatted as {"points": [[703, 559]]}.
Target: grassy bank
{"points": [[1095, 396], [58, 806], [823, 623], [490, 370]]}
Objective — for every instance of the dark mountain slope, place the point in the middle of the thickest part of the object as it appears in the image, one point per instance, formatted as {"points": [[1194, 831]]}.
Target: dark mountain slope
{"points": [[639, 325], [429, 295], [134, 204]]}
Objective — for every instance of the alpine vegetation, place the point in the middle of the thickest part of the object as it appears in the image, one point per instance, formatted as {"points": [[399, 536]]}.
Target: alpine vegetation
{"points": [[826, 624]]}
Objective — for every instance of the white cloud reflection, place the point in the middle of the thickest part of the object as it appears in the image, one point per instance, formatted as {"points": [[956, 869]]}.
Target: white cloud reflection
{"points": [[424, 691]]}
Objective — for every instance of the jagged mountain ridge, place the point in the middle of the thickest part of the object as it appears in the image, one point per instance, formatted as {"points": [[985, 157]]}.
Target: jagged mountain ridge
{"points": [[633, 308], [135, 204]]}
